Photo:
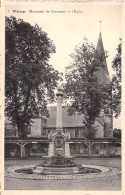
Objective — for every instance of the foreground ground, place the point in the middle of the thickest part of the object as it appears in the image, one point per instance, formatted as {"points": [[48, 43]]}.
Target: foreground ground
{"points": [[105, 183]]}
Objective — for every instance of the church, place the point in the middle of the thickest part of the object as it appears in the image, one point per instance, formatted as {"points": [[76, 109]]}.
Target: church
{"points": [[37, 144]]}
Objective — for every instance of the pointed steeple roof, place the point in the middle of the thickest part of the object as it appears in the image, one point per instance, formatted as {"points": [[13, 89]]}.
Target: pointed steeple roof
{"points": [[100, 44], [102, 73]]}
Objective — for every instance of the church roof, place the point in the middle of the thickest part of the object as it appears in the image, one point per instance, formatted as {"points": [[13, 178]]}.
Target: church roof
{"points": [[102, 73], [67, 121]]}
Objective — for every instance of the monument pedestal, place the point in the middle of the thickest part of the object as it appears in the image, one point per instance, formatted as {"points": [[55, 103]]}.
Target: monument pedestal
{"points": [[67, 149], [59, 143], [51, 149]]}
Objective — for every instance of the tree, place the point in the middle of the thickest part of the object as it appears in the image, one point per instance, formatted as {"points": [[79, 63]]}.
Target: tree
{"points": [[30, 80], [86, 93], [116, 82], [117, 133]]}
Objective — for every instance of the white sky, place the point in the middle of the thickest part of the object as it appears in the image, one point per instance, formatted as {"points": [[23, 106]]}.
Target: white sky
{"points": [[68, 29]]}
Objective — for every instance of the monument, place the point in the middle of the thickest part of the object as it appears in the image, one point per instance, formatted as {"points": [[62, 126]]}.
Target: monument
{"points": [[58, 160], [59, 141]]}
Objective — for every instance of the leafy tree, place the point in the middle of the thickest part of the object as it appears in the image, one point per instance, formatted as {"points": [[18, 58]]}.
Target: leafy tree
{"points": [[30, 80], [116, 82], [82, 86]]}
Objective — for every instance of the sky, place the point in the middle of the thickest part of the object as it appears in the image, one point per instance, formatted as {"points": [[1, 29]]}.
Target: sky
{"points": [[68, 29]]}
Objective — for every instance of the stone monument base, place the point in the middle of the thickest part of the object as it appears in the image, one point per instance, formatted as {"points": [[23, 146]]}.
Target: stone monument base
{"points": [[58, 165]]}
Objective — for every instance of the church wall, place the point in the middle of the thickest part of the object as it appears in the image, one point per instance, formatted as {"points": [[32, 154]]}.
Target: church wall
{"points": [[104, 125], [74, 132], [36, 127], [47, 131], [100, 130], [70, 130], [108, 132]]}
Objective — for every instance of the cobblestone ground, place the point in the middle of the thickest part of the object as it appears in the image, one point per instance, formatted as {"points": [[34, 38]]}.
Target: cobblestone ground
{"points": [[105, 183]]}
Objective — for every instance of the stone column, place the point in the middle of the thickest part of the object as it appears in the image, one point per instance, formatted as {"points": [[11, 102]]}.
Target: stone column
{"points": [[59, 110], [22, 150], [51, 149], [67, 149], [90, 144]]}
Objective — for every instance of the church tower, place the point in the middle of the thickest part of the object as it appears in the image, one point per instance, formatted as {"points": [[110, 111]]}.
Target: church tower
{"points": [[102, 73], [104, 79]]}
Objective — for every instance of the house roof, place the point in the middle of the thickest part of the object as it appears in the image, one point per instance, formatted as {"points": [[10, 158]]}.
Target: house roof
{"points": [[67, 121]]}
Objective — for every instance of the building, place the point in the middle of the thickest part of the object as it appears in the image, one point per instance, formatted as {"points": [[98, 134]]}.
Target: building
{"points": [[37, 143]]}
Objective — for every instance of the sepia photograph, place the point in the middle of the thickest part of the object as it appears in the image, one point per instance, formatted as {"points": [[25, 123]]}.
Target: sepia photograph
{"points": [[63, 97]]}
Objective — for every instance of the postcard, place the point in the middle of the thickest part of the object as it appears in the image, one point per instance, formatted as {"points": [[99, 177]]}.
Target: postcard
{"points": [[63, 109]]}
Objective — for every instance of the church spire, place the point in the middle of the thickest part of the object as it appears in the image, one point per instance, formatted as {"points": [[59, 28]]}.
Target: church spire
{"points": [[100, 47], [102, 73]]}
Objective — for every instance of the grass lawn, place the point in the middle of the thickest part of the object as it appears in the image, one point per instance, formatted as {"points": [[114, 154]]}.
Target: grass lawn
{"points": [[105, 183]]}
